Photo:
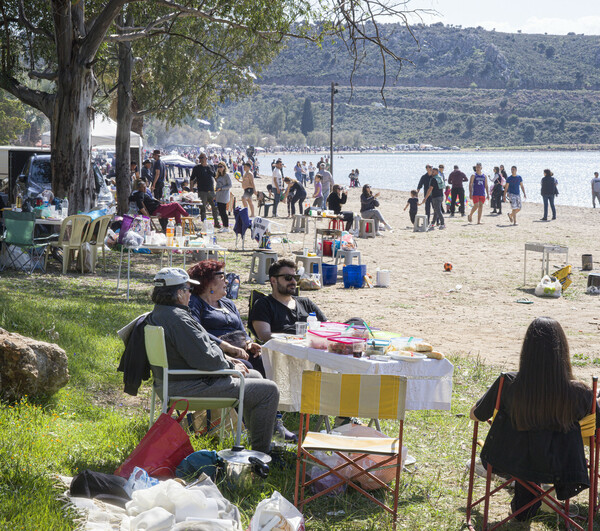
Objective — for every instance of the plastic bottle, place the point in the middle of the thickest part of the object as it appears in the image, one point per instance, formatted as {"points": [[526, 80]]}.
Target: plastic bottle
{"points": [[209, 227], [179, 235], [65, 207], [19, 201], [312, 321], [170, 232]]}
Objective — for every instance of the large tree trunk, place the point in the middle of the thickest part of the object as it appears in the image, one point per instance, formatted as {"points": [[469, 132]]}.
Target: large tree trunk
{"points": [[124, 121], [71, 170]]}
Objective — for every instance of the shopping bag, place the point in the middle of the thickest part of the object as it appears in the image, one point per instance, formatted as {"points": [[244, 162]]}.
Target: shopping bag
{"points": [[276, 513], [162, 449], [548, 287]]}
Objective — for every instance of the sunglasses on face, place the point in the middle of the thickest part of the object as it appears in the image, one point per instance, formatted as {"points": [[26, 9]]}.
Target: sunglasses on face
{"points": [[186, 289], [288, 278]]}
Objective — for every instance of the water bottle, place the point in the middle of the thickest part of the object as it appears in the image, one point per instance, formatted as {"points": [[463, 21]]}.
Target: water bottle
{"points": [[65, 207], [170, 232], [312, 321], [209, 227], [179, 235], [19, 201]]}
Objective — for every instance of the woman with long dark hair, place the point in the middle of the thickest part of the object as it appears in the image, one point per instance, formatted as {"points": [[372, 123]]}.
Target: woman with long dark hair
{"points": [[368, 208], [223, 194], [536, 435]]}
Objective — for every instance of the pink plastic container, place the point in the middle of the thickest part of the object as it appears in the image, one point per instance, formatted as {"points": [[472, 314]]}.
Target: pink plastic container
{"points": [[319, 339], [347, 346]]}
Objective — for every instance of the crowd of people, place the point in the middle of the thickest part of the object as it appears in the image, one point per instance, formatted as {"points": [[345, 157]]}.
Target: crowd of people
{"points": [[446, 196]]}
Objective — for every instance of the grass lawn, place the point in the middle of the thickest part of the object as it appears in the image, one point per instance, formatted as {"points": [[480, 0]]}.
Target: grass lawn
{"points": [[92, 424]]}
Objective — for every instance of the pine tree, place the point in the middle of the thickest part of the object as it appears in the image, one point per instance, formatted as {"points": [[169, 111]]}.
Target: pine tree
{"points": [[308, 124]]}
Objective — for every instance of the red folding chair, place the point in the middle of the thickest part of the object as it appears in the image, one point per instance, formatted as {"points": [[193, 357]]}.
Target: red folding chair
{"points": [[589, 435]]}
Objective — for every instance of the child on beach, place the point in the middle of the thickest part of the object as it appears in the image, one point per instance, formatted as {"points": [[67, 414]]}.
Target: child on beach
{"points": [[413, 202]]}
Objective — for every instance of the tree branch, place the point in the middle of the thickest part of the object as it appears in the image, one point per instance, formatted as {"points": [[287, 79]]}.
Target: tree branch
{"points": [[40, 100], [51, 76], [27, 23], [99, 28]]}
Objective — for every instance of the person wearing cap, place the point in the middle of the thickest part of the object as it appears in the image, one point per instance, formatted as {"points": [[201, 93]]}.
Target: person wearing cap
{"points": [[277, 185], [190, 347], [159, 172], [326, 183], [146, 174], [203, 178]]}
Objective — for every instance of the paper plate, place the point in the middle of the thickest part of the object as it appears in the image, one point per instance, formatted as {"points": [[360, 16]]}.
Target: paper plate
{"points": [[287, 337], [417, 356], [380, 357]]}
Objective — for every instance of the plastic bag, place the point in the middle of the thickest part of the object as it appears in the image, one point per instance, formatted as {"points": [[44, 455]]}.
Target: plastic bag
{"points": [[310, 284], [139, 479], [548, 287], [315, 471], [276, 514], [88, 257]]}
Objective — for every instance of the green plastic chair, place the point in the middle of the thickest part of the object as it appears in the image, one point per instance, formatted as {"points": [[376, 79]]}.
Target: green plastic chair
{"points": [[18, 238], [156, 350]]}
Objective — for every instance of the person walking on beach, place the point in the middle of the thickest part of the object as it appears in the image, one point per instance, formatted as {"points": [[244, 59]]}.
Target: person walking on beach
{"points": [[497, 187], [513, 186], [436, 191], [549, 190], [326, 183], [478, 192], [595, 189], [424, 183], [456, 180], [277, 185], [413, 205], [311, 172]]}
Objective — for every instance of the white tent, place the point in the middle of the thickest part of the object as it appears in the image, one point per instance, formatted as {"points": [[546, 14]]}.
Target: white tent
{"points": [[104, 131], [176, 160]]}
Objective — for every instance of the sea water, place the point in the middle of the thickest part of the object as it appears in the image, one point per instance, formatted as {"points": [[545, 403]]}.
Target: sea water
{"points": [[401, 171]]}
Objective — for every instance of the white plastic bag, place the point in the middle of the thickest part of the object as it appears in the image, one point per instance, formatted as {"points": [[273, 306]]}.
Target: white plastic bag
{"points": [[548, 287], [276, 514], [88, 257]]}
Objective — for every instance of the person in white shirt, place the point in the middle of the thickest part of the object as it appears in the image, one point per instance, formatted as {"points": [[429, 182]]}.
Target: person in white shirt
{"points": [[326, 183], [595, 189], [277, 185]]}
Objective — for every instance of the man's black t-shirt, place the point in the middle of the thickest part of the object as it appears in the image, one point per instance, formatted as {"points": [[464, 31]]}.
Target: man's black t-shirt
{"points": [[281, 318], [413, 204], [203, 176], [159, 165], [424, 182], [437, 191]]}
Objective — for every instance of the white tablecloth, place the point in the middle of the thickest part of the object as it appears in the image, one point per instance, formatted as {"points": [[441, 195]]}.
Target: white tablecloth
{"points": [[429, 381]]}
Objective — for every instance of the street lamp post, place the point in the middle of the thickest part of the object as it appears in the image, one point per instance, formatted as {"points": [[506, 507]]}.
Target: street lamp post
{"points": [[333, 91]]}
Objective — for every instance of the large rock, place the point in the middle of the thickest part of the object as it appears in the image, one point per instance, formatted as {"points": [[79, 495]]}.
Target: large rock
{"points": [[30, 367]]}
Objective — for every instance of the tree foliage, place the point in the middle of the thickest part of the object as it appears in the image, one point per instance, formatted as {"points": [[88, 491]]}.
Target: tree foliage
{"points": [[12, 119], [308, 124]]}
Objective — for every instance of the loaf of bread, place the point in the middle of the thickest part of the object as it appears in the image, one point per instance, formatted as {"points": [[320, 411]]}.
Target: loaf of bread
{"points": [[419, 347], [435, 355]]}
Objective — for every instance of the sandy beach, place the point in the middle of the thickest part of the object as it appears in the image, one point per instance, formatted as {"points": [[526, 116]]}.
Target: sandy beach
{"points": [[482, 318]]}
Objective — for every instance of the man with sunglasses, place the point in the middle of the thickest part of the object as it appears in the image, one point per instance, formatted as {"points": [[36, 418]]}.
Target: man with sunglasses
{"points": [[281, 310]]}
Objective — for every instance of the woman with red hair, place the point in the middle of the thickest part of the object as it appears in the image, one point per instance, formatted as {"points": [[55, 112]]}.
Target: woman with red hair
{"points": [[219, 316]]}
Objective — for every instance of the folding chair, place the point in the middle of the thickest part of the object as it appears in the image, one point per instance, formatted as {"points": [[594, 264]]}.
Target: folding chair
{"points": [[95, 236], [18, 240], [350, 395], [242, 224], [589, 435], [254, 296], [156, 350], [72, 236]]}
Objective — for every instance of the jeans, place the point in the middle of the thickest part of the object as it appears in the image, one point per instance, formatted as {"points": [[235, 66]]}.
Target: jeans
{"points": [[437, 210], [276, 199], [300, 200], [460, 192], [375, 215], [326, 191], [595, 195], [549, 199], [208, 199], [261, 398]]}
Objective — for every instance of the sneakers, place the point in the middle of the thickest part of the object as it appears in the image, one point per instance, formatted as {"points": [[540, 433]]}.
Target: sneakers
{"points": [[431, 227], [224, 229], [283, 432], [442, 227]]}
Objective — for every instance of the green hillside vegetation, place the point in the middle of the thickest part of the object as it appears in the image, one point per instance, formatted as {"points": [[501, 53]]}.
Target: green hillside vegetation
{"points": [[464, 87]]}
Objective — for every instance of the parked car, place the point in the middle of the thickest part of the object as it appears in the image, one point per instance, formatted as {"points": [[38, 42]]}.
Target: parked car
{"points": [[36, 177]]}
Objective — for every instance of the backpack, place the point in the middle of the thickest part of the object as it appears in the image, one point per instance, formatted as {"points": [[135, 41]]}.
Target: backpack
{"points": [[233, 285]]}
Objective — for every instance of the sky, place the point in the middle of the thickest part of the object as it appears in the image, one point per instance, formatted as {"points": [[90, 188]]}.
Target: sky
{"points": [[555, 17]]}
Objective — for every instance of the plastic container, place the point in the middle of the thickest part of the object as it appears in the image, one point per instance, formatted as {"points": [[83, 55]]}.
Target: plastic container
{"points": [[376, 347], [358, 331], [346, 346], [327, 248], [319, 339], [383, 278], [330, 272], [354, 275]]}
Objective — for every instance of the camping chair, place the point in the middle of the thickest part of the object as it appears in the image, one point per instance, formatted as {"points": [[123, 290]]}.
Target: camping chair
{"points": [[18, 242], [156, 350], [95, 237], [242, 224], [351, 395], [72, 236], [254, 296], [262, 201], [589, 436]]}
